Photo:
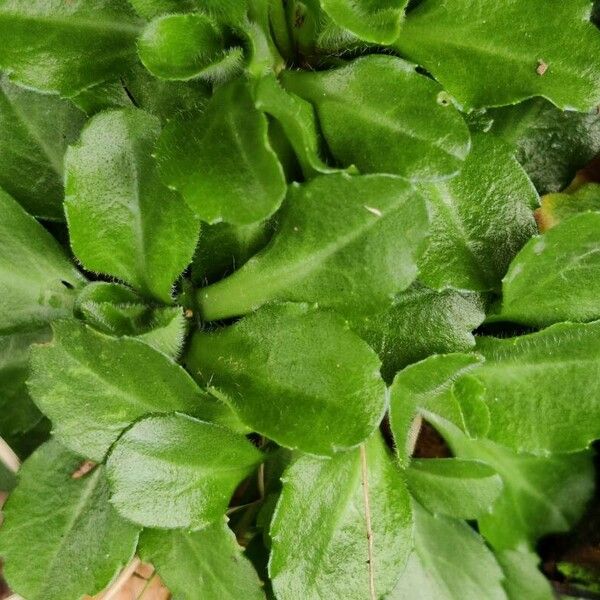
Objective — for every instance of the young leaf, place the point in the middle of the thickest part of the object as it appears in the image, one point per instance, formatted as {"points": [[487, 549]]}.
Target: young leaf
{"points": [[342, 527], [550, 144], [465, 489], [116, 310], [377, 22], [345, 242], [223, 248], [92, 387], [556, 208], [449, 561], [424, 388], [77, 541], [556, 277], [538, 386], [19, 413], [122, 220], [201, 565], [66, 46], [221, 160], [36, 278], [480, 219], [379, 114], [254, 366], [298, 121], [540, 495], [443, 319], [523, 578], [35, 130], [173, 471], [489, 53], [187, 46]]}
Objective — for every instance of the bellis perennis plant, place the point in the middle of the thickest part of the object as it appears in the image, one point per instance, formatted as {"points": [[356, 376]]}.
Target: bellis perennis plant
{"points": [[297, 298]]}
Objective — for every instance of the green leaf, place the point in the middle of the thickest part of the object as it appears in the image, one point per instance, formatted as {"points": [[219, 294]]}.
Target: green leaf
{"points": [[8, 479], [489, 53], [444, 321], [203, 565], [77, 543], [348, 243], [66, 46], [36, 278], [223, 248], [556, 208], [122, 220], [523, 578], [298, 121], [92, 387], [427, 387], [35, 130], [465, 489], [550, 144], [173, 471], [19, 413], [379, 114], [377, 22], [322, 523], [449, 561], [187, 46], [541, 494], [556, 277], [116, 310], [221, 160], [254, 365], [165, 99], [530, 411], [154, 8], [479, 221]]}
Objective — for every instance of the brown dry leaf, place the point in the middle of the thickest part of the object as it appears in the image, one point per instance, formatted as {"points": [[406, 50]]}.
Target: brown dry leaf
{"points": [[142, 584]]}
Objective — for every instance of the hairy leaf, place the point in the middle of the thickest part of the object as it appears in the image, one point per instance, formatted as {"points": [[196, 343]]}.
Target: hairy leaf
{"points": [[443, 319], [201, 565], [66, 46], [79, 541], [345, 242], [36, 277], [92, 387], [379, 114], [221, 161], [480, 219], [173, 471], [323, 520], [377, 22], [489, 53], [35, 130], [538, 386], [465, 489], [550, 144], [449, 561], [556, 276], [122, 220], [187, 46], [331, 399]]}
